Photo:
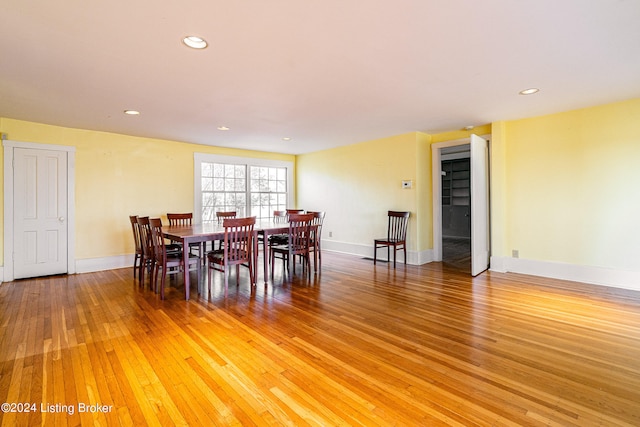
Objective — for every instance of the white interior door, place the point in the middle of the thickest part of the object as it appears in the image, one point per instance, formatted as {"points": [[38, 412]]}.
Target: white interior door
{"points": [[479, 205], [40, 212]]}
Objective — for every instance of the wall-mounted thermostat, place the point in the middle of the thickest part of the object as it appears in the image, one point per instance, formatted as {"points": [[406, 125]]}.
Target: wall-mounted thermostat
{"points": [[407, 184]]}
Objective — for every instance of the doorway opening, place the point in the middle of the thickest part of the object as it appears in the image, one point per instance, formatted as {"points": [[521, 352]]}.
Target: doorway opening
{"points": [[455, 175], [461, 202]]}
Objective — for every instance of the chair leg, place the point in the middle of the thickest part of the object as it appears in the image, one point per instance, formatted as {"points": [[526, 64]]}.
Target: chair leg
{"points": [[199, 271], [153, 278], [226, 280], [209, 280], [136, 260], [315, 261], [375, 250], [271, 260], [395, 254], [251, 272], [162, 281], [143, 265]]}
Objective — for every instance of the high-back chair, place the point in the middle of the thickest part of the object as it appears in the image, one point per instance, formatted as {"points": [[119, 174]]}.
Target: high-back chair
{"points": [[147, 259], [279, 217], [294, 211], [221, 216], [396, 236], [137, 260], [298, 244], [316, 235], [237, 250], [177, 220], [169, 262]]}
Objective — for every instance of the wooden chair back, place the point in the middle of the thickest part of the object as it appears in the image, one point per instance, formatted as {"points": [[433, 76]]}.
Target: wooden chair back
{"points": [[221, 216], [178, 219], [279, 217], [145, 236], [318, 219], [135, 228], [397, 227], [238, 234], [238, 250], [316, 237], [157, 241], [294, 211], [147, 259], [299, 233]]}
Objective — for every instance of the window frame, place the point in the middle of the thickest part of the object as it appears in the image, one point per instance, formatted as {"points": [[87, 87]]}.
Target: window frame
{"points": [[200, 158]]}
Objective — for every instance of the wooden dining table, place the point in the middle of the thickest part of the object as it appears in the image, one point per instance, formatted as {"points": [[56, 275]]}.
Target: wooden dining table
{"points": [[201, 233]]}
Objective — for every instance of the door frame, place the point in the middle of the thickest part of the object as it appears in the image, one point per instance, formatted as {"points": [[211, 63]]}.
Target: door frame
{"points": [[436, 180], [8, 248]]}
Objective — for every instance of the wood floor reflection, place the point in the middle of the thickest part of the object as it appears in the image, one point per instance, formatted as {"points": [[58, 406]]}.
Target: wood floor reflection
{"points": [[356, 345], [456, 253]]}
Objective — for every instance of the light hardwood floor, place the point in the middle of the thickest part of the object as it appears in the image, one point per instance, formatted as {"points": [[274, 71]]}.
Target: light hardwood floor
{"points": [[359, 345]]}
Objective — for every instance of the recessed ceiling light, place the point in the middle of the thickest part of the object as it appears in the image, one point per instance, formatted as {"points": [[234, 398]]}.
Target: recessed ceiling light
{"points": [[223, 128], [286, 138], [195, 42], [132, 112], [529, 91]]}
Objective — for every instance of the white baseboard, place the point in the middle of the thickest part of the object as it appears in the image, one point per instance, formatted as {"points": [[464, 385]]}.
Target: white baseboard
{"points": [[577, 273], [366, 251], [107, 263]]}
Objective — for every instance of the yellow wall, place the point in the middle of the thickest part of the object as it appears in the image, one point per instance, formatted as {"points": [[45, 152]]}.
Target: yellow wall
{"points": [[564, 187], [364, 180], [117, 176], [570, 185], [460, 134], [356, 185]]}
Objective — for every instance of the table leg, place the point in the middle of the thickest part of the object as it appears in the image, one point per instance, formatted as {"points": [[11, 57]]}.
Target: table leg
{"points": [[265, 252], [254, 270], [185, 268]]}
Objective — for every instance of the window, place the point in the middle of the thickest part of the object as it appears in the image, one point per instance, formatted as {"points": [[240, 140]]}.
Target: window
{"points": [[251, 187], [268, 190]]}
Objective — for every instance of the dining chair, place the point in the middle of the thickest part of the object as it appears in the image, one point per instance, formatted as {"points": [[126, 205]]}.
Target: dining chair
{"points": [[294, 211], [282, 239], [396, 236], [137, 260], [316, 235], [298, 244], [147, 259], [279, 217], [237, 249], [220, 217], [170, 263], [182, 219]]}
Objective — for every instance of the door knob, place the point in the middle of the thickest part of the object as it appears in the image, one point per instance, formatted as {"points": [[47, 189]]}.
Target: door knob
{"points": [[61, 219]]}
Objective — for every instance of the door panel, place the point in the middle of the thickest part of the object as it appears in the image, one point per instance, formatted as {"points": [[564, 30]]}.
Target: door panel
{"points": [[40, 204], [479, 205]]}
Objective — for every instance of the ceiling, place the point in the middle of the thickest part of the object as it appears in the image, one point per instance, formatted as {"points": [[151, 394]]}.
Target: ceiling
{"points": [[323, 73]]}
